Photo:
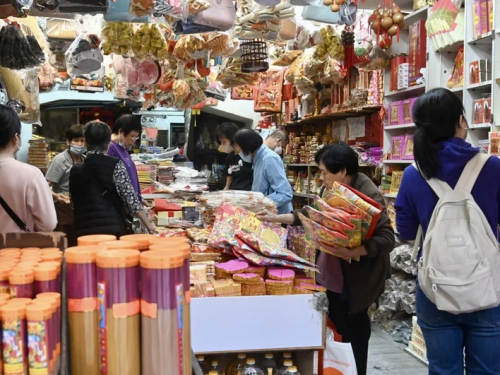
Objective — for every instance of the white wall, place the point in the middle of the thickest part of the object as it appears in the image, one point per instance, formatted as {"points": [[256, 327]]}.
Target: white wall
{"points": [[26, 133], [239, 110]]}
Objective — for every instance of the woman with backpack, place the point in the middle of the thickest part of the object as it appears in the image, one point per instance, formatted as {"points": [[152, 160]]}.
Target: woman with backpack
{"points": [[452, 198]]}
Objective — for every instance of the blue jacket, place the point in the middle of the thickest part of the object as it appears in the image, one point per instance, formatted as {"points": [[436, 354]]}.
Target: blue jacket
{"points": [[416, 200], [270, 179]]}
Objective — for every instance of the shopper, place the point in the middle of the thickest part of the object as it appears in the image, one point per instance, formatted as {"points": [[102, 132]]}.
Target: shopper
{"points": [[351, 287], [25, 200], [58, 179], [126, 132], [277, 141], [239, 174], [103, 198], [441, 153], [268, 171]]}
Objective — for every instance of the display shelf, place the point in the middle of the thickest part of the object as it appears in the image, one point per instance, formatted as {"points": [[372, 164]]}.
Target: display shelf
{"points": [[415, 16], [354, 112], [452, 47], [402, 126], [158, 196], [417, 357], [303, 195], [390, 195], [415, 90], [485, 38], [481, 85], [398, 161], [214, 330], [457, 89], [480, 126]]}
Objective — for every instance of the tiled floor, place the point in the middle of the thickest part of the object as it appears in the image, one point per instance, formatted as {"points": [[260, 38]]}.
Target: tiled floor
{"points": [[388, 358]]}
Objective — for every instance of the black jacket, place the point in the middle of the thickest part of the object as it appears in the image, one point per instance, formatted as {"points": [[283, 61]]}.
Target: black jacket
{"points": [[364, 281], [97, 206]]}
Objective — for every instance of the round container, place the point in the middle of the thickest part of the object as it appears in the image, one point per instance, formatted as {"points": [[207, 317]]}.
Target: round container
{"points": [[52, 257], [162, 304], [95, 239], [119, 306], [120, 245], [50, 250], [81, 286], [55, 324], [142, 240], [163, 240], [21, 283], [4, 279], [396, 61], [30, 249], [4, 296], [46, 278], [10, 249], [20, 301], [14, 328], [38, 316]]}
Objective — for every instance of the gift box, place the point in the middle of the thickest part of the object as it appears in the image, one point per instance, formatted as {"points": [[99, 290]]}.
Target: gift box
{"points": [[395, 113], [397, 144], [269, 92], [407, 108], [408, 148], [417, 51]]}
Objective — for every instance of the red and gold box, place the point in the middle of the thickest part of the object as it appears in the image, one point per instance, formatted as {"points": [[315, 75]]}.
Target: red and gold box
{"points": [[417, 51]]}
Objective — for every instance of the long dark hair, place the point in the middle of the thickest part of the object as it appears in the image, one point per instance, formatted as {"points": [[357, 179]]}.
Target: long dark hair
{"points": [[436, 115]]}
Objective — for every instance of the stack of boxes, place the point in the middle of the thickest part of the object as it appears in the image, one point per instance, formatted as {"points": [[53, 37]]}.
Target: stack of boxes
{"points": [[417, 343], [482, 18], [479, 71], [481, 111]]}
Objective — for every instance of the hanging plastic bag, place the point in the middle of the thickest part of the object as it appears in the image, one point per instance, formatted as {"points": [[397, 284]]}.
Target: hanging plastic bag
{"points": [[142, 8], [338, 357], [117, 37], [120, 11], [83, 56]]}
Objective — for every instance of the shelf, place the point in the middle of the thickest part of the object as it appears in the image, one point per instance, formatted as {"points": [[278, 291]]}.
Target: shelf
{"points": [[410, 90], [402, 126], [480, 126], [417, 357], [390, 195], [354, 112], [420, 14], [457, 89], [452, 47], [303, 195], [480, 85], [309, 334], [485, 38], [398, 161]]}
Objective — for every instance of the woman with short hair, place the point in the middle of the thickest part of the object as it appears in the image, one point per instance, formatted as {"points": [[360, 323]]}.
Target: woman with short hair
{"points": [[103, 197], [269, 175], [26, 203]]}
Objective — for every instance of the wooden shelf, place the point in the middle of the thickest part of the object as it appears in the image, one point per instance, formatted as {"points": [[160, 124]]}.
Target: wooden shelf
{"points": [[354, 112], [398, 161], [402, 126]]}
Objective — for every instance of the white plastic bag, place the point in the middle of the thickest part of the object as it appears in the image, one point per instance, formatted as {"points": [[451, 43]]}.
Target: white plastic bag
{"points": [[338, 357]]}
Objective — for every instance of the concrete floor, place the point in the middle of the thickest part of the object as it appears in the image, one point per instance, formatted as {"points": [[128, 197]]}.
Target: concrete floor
{"points": [[386, 357]]}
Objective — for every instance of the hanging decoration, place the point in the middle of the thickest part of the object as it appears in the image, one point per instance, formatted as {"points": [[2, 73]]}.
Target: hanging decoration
{"points": [[348, 43], [386, 21]]}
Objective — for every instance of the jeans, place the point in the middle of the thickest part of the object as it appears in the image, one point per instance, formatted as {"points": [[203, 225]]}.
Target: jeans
{"points": [[354, 328], [449, 337]]}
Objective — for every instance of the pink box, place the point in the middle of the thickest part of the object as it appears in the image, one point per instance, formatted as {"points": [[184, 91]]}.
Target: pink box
{"points": [[407, 153], [397, 147], [406, 111], [395, 113]]}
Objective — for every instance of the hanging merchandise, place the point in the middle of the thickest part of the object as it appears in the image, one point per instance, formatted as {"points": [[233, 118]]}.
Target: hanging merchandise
{"points": [[457, 72], [231, 75], [269, 92], [19, 48], [15, 8], [221, 15], [348, 43], [346, 10], [117, 38], [445, 24], [149, 41], [121, 11], [254, 56], [386, 21], [142, 8], [320, 13], [83, 56], [83, 6]]}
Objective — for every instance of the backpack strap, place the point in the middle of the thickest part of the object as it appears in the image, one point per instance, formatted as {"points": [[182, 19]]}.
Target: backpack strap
{"points": [[418, 241], [439, 187], [471, 172]]}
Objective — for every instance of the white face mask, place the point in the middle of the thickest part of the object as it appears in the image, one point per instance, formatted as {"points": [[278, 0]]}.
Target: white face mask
{"points": [[278, 150], [245, 158]]}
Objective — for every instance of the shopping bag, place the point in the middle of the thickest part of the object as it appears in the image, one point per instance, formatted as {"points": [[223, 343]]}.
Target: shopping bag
{"points": [[338, 358]]}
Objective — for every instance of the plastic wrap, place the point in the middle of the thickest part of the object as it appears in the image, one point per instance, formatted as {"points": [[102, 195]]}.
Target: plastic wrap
{"points": [[148, 41], [119, 309], [38, 317], [54, 327], [120, 11], [47, 77], [81, 287], [162, 308], [14, 345], [84, 57], [19, 49], [46, 279], [61, 29], [21, 283], [142, 8], [117, 37]]}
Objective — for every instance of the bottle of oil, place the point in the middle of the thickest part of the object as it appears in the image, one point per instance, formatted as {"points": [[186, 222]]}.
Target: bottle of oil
{"points": [[216, 368], [204, 366], [269, 365], [286, 365], [251, 368], [236, 368]]}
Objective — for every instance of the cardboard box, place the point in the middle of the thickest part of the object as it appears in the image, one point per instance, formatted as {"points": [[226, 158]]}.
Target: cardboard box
{"points": [[474, 72], [418, 350]]}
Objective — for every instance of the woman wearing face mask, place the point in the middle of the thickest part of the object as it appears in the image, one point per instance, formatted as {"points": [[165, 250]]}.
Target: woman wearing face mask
{"points": [[239, 174], [351, 287], [25, 200], [126, 132], [269, 175], [441, 153], [58, 178]]}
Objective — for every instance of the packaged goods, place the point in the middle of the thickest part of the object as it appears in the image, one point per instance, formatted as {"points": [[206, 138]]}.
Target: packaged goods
{"points": [[54, 326], [46, 278], [204, 365], [120, 245], [83, 316], [162, 303], [286, 365], [119, 311], [251, 368], [21, 283], [142, 240], [269, 364], [39, 341], [14, 345], [95, 239], [238, 365]]}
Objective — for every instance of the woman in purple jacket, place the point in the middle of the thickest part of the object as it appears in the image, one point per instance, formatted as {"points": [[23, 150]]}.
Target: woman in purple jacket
{"points": [[441, 152], [126, 132]]}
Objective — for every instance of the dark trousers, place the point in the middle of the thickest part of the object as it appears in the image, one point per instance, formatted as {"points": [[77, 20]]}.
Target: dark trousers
{"points": [[354, 328]]}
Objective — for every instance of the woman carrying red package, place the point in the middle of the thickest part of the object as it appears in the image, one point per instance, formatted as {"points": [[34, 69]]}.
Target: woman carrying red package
{"points": [[351, 288]]}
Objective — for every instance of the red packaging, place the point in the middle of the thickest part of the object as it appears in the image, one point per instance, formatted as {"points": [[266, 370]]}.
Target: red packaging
{"points": [[396, 61], [269, 92], [418, 51]]}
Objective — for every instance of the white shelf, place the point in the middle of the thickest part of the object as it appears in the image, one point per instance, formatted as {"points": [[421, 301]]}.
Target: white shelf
{"points": [[214, 330], [485, 38], [398, 161], [420, 14], [480, 85], [480, 126], [409, 90], [303, 195], [457, 89], [390, 195], [402, 126]]}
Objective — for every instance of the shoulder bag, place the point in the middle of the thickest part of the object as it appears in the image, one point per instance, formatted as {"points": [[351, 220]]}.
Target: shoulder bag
{"points": [[13, 216]]}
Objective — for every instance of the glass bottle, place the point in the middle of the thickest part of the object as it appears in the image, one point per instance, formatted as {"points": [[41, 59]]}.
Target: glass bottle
{"points": [[236, 368], [204, 366], [269, 365], [286, 355], [215, 368], [283, 370], [251, 368]]}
